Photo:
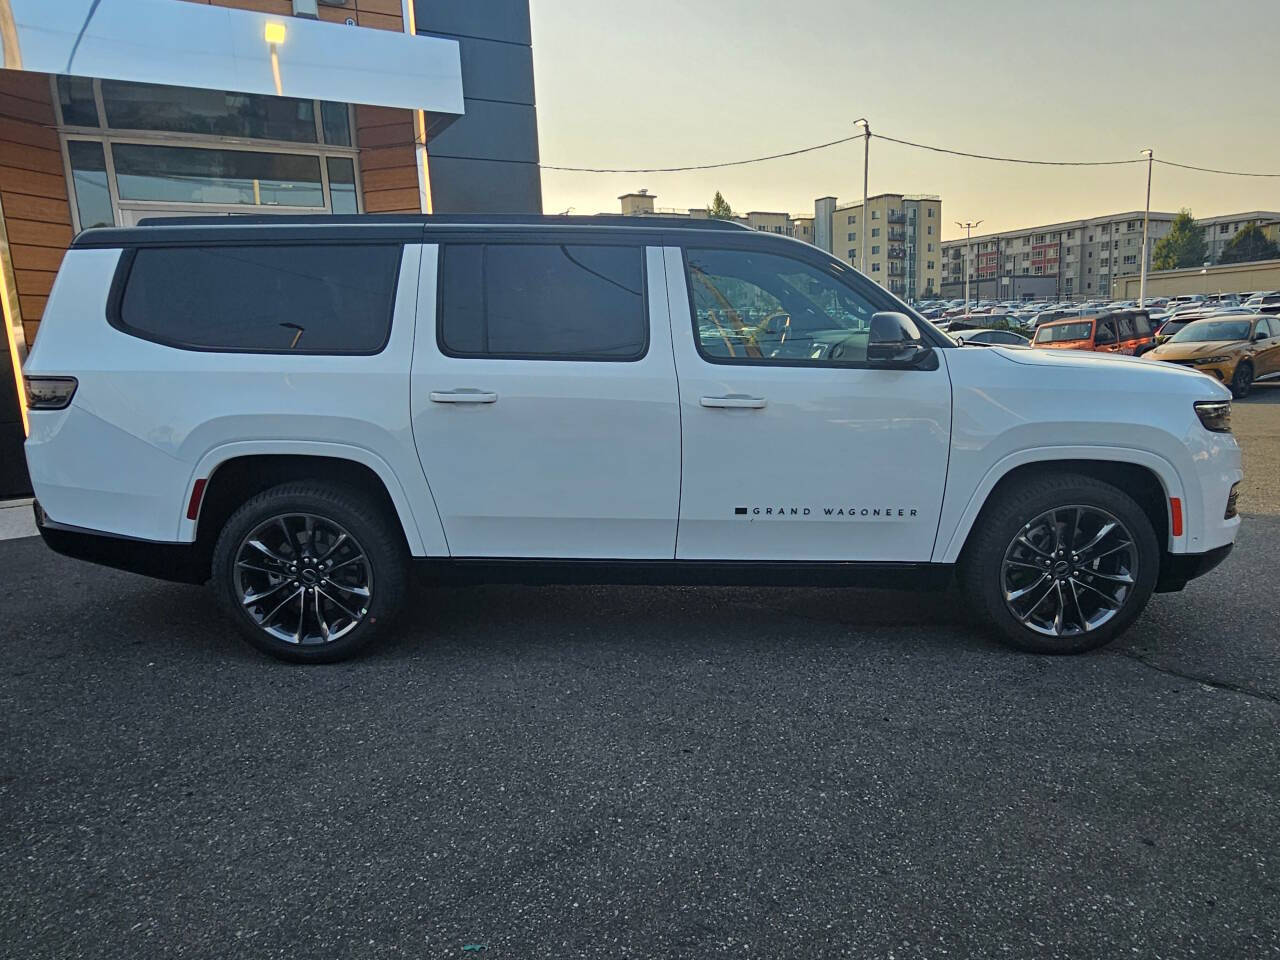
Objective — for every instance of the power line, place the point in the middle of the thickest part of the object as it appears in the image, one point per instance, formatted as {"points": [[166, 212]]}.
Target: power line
{"points": [[906, 143], [1225, 173], [983, 156], [702, 166]]}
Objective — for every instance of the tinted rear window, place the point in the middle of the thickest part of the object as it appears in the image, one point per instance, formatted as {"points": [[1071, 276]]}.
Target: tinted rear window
{"points": [[263, 299], [543, 301], [1065, 331]]}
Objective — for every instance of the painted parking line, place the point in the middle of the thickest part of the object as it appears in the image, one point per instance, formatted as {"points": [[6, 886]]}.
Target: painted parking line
{"points": [[16, 519]]}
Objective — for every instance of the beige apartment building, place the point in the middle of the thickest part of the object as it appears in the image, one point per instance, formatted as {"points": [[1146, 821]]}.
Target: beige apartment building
{"points": [[1072, 259], [902, 236], [802, 228]]}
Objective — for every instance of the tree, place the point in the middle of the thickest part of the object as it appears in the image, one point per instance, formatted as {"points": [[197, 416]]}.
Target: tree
{"points": [[1249, 244], [1184, 245], [720, 208]]}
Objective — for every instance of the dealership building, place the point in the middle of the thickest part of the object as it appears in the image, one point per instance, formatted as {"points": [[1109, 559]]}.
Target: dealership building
{"points": [[112, 111]]}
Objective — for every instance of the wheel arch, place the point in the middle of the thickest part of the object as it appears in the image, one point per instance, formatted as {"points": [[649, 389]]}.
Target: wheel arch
{"points": [[235, 472], [1147, 477]]}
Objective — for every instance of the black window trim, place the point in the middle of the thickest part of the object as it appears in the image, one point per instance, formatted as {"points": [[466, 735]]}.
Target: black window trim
{"points": [[873, 293], [540, 241], [124, 268]]}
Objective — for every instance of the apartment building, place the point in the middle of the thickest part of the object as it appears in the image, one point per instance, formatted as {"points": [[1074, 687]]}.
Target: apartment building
{"points": [[802, 229], [902, 236], [1219, 231], [1072, 259]]}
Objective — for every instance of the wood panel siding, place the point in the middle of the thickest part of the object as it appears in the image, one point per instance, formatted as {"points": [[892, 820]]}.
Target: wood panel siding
{"points": [[388, 177], [33, 190]]}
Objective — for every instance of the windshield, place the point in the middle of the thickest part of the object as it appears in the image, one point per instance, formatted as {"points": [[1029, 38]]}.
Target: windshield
{"points": [[1059, 332], [1202, 330]]}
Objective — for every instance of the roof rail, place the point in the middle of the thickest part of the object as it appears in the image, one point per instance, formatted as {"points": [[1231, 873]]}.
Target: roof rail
{"points": [[447, 219]]}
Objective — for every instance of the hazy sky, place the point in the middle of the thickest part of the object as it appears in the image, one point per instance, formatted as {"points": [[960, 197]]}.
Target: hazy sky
{"points": [[669, 82]]}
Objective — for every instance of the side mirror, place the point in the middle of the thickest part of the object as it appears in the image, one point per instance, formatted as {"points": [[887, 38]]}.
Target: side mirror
{"points": [[894, 341], [1259, 336]]}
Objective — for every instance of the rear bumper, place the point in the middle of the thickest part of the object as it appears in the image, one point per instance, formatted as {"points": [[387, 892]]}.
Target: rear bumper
{"points": [[176, 562], [1178, 568]]}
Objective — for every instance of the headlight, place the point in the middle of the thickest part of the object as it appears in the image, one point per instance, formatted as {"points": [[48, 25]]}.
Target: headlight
{"points": [[1215, 415], [1198, 361]]}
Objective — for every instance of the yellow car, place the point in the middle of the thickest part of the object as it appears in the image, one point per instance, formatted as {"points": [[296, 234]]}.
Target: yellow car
{"points": [[1235, 349]]}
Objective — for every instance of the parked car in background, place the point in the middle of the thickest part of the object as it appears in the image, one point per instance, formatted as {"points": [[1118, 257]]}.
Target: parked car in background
{"points": [[1181, 319], [1265, 302], [1124, 331], [1235, 350], [985, 338]]}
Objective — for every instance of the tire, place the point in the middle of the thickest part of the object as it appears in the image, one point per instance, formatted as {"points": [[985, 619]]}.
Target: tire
{"points": [[998, 593], [363, 550], [1242, 380]]}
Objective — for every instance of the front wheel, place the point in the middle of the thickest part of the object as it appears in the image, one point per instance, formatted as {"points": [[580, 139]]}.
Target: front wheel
{"points": [[1242, 380], [1060, 564], [310, 572]]}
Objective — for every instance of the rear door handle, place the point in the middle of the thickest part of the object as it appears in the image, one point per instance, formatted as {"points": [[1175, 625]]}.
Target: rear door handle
{"points": [[463, 396], [734, 400]]}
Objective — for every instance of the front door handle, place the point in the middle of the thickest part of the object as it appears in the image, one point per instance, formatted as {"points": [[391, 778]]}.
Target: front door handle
{"points": [[464, 395], [734, 400]]}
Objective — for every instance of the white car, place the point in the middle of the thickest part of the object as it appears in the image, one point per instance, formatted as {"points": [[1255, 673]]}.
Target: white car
{"points": [[297, 408]]}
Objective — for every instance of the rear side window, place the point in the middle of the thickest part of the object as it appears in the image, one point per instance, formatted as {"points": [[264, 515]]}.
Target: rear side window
{"points": [[542, 301], [1127, 329], [1142, 323], [327, 299]]}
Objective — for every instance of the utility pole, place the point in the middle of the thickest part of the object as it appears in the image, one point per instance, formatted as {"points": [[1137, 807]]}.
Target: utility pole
{"points": [[1146, 218], [968, 255], [863, 228]]}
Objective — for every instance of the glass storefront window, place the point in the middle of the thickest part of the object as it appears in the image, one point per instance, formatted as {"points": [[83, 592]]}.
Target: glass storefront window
{"points": [[197, 175], [89, 177], [144, 106], [342, 185], [336, 120], [75, 97]]}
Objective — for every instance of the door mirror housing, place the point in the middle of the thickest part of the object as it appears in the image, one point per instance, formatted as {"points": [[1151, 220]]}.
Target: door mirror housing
{"points": [[894, 341], [1259, 336]]}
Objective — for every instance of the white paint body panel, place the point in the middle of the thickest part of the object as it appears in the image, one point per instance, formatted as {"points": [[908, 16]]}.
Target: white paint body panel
{"points": [[573, 459], [1021, 406], [147, 420], [863, 451]]}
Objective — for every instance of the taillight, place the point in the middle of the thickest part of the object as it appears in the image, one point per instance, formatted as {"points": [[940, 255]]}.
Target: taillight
{"points": [[49, 393]]}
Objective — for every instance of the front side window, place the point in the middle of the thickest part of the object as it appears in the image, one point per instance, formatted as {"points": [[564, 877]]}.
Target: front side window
{"points": [[752, 307], [319, 298], [542, 301]]}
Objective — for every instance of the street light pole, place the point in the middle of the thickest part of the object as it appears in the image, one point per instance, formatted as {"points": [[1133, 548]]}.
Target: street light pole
{"points": [[1146, 218], [866, 216], [968, 254]]}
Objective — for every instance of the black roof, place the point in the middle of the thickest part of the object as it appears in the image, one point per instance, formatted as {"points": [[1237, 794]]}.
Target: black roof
{"points": [[388, 226]]}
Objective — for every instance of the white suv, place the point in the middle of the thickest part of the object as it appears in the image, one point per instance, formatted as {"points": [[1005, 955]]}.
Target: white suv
{"points": [[294, 408]]}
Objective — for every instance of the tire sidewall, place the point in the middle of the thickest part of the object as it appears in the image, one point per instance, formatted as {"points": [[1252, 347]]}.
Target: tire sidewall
{"points": [[1240, 389], [1006, 524], [362, 523]]}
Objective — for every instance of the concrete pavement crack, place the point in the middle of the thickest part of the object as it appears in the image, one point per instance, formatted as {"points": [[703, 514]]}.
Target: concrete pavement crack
{"points": [[1208, 682]]}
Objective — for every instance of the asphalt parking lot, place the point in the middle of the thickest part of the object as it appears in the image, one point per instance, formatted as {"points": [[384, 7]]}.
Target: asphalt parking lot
{"points": [[642, 772]]}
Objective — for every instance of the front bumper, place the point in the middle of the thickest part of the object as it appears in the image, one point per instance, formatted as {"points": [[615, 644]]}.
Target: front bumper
{"points": [[1178, 568], [176, 562]]}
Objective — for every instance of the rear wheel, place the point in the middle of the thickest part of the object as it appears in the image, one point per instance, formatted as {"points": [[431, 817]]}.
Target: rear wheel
{"points": [[1060, 564], [309, 572], [1242, 380]]}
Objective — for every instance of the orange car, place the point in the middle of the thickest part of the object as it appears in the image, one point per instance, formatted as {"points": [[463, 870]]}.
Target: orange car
{"points": [[1120, 331]]}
